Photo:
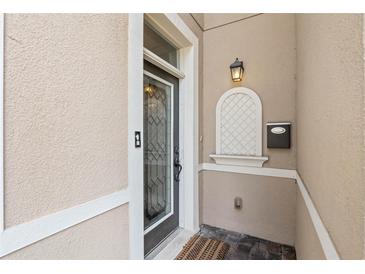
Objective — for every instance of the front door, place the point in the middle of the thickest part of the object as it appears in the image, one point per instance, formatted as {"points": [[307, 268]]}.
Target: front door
{"points": [[161, 155]]}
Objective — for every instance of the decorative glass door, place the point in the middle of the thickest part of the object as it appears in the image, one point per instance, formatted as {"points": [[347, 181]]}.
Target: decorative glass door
{"points": [[158, 136], [160, 139]]}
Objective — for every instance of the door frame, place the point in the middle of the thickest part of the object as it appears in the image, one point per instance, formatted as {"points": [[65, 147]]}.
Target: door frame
{"points": [[172, 27]]}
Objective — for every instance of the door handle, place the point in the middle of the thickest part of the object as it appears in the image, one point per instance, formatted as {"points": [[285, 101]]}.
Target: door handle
{"points": [[177, 175], [177, 164]]}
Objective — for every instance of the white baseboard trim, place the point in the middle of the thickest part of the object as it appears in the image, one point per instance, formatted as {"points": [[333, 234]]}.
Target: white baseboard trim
{"points": [[322, 233], [262, 171], [19, 236]]}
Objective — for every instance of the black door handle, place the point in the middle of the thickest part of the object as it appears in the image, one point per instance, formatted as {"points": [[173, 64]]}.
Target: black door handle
{"points": [[177, 164], [177, 175]]}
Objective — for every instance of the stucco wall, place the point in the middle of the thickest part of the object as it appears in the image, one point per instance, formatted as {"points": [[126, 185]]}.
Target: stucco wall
{"points": [[212, 20], [330, 119], [266, 44], [65, 111], [199, 18], [103, 237], [66, 125], [268, 207]]}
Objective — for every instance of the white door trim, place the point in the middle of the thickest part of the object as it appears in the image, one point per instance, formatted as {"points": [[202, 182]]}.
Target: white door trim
{"points": [[162, 64], [135, 123], [187, 42], [172, 26]]}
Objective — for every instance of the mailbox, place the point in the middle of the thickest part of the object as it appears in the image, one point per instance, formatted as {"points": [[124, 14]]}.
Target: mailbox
{"points": [[278, 135]]}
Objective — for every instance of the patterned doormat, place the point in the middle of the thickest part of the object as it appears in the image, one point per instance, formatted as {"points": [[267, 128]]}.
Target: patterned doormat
{"points": [[202, 248]]}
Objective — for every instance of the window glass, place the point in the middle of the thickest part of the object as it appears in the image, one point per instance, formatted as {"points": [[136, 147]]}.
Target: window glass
{"points": [[158, 168], [159, 46]]}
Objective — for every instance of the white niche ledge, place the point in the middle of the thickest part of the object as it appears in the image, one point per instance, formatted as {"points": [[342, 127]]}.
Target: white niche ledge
{"points": [[239, 129], [235, 160]]}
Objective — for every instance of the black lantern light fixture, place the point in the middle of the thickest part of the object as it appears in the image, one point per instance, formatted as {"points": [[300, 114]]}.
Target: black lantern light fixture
{"points": [[237, 70]]}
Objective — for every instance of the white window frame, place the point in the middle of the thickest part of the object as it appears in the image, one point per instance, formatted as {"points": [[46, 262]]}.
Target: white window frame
{"points": [[172, 27]]}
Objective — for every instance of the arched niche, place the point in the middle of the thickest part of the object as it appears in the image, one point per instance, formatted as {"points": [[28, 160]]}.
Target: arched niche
{"points": [[239, 128]]}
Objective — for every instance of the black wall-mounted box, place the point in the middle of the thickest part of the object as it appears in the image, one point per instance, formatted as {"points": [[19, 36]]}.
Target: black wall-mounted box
{"points": [[278, 135]]}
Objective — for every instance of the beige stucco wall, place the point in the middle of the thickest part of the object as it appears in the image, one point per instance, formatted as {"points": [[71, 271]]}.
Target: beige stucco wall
{"points": [[66, 126], [212, 20], [268, 207], [330, 118], [307, 244], [103, 237], [65, 111], [199, 18], [266, 44]]}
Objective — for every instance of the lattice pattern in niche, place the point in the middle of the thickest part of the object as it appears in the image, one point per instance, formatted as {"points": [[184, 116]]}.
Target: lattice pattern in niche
{"points": [[238, 125], [239, 128]]}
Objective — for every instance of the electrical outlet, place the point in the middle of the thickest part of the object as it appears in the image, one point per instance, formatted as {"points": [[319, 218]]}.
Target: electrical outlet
{"points": [[238, 203]]}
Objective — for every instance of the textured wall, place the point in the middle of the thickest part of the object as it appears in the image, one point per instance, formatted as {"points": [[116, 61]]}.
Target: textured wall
{"points": [[65, 111], [212, 20], [66, 128], [268, 209], [307, 245], [103, 237], [266, 44], [199, 18], [330, 120]]}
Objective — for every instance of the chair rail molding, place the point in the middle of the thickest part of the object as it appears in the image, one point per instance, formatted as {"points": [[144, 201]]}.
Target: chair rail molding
{"points": [[324, 237], [239, 129], [328, 246], [25, 234]]}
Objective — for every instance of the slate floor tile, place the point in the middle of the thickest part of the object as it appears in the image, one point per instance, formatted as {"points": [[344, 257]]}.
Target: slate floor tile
{"points": [[245, 247]]}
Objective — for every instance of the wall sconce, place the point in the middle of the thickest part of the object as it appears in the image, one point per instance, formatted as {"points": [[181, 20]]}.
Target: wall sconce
{"points": [[237, 70]]}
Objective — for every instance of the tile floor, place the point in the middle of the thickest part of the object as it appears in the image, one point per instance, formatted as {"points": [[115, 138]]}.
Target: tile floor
{"points": [[242, 247], [245, 247]]}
